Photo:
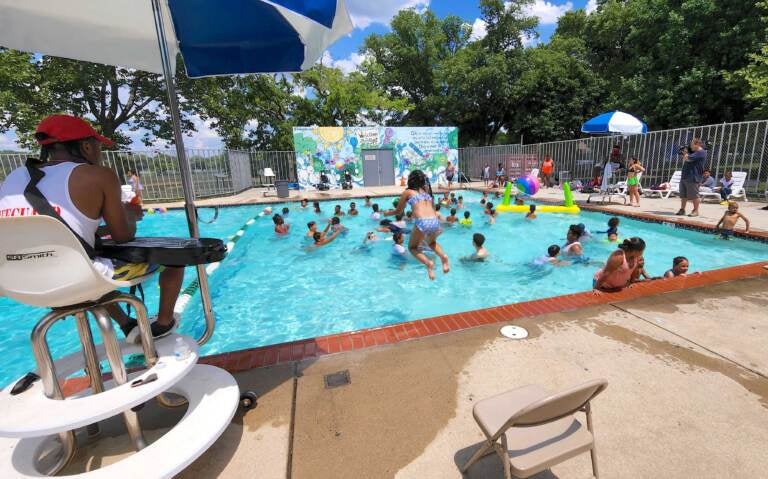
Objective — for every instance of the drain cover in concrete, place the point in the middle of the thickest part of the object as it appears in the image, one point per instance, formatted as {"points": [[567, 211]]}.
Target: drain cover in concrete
{"points": [[514, 332], [338, 379]]}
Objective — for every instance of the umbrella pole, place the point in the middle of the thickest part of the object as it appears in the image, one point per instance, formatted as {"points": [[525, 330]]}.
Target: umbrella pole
{"points": [[186, 174]]}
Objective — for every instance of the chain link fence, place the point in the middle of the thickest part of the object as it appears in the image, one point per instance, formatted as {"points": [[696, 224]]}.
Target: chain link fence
{"points": [[731, 147], [215, 172]]}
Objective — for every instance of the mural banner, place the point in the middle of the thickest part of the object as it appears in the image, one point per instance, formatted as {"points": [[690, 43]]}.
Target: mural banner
{"points": [[336, 150]]}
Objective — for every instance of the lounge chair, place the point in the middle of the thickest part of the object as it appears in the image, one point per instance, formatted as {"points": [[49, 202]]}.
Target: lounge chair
{"points": [[532, 430], [737, 189], [674, 187]]}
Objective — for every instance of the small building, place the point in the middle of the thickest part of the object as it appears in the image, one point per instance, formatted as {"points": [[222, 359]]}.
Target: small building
{"points": [[373, 156]]}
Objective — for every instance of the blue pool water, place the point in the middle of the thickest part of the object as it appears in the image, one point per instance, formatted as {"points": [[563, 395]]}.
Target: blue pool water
{"points": [[271, 289]]}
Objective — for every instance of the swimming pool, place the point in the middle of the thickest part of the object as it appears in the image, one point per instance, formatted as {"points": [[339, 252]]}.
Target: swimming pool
{"points": [[271, 289]]}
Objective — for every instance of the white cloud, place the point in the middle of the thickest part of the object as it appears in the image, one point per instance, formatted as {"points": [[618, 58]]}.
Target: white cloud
{"points": [[346, 65], [591, 6], [366, 12], [205, 137], [478, 30], [547, 12], [8, 141]]}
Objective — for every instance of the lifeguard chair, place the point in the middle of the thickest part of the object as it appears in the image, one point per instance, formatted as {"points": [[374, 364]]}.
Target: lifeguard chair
{"points": [[43, 264]]}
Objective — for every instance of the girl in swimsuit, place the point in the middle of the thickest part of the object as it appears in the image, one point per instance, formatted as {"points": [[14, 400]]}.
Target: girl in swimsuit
{"points": [[419, 196], [633, 182], [620, 268]]}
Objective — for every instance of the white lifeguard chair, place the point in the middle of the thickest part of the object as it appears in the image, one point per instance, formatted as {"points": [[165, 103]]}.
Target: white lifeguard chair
{"points": [[43, 264], [269, 181]]}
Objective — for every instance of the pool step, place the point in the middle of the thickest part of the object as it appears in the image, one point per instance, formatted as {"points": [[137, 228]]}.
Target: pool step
{"points": [[32, 414]]}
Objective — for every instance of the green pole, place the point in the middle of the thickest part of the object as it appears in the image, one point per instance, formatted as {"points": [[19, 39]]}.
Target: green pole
{"points": [[507, 193], [567, 194]]}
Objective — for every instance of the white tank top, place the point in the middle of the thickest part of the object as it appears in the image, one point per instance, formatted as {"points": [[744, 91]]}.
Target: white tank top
{"points": [[55, 187]]}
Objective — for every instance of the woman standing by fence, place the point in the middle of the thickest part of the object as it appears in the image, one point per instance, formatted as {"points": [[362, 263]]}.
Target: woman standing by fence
{"points": [[547, 170]]}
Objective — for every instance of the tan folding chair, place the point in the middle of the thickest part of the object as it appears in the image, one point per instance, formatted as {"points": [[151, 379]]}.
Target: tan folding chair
{"points": [[532, 430]]}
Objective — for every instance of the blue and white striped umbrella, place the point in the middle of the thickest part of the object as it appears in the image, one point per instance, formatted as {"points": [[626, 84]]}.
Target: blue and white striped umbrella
{"points": [[216, 37], [614, 122]]}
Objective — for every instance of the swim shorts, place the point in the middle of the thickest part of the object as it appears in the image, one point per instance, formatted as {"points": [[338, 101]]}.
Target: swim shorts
{"points": [[128, 271]]}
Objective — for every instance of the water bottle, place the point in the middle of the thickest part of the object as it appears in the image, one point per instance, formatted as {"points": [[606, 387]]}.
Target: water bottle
{"points": [[181, 350]]}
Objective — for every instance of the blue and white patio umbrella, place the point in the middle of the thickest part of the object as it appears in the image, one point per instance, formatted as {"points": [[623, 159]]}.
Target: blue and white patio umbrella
{"points": [[614, 122], [215, 37]]}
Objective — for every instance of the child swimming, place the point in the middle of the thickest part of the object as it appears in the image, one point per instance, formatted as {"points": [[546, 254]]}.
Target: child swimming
{"points": [[729, 220], [492, 217], [488, 208], [418, 196], [281, 227], [286, 211], [312, 227], [480, 254], [437, 212], [337, 211], [452, 218], [679, 267], [460, 203], [316, 207], [337, 226], [466, 221], [612, 233], [620, 268], [353, 209], [552, 256], [368, 201], [321, 240], [397, 248], [375, 215], [303, 203], [531, 215]]}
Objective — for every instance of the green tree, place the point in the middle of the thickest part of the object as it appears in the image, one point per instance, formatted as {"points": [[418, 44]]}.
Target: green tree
{"points": [[755, 74], [111, 97]]}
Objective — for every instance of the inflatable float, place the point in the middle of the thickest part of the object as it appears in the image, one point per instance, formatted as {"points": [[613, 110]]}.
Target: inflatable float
{"points": [[569, 207]]}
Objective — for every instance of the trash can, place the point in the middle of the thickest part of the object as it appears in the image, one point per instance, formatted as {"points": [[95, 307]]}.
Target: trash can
{"points": [[282, 188]]}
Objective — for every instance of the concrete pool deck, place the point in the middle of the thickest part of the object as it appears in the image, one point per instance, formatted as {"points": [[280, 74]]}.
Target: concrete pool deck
{"points": [[687, 396], [657, 208]]}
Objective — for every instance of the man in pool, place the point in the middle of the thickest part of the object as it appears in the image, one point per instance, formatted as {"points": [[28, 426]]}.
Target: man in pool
{"points": [[480, 254], [321, 240], [83, 193], [353, 211]]}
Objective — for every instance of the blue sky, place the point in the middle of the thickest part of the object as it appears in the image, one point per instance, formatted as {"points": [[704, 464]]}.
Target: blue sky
{"points": [[373, 16]]}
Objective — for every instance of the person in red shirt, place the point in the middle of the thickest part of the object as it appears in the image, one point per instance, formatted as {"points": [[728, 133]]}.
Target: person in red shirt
{"points": [[547, 170]]}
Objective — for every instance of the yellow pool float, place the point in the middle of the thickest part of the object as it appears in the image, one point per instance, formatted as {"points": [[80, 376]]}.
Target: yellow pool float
{"points": [[569, 207]]}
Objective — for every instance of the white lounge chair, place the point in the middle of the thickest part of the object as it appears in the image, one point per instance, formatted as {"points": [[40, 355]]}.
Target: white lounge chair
{"points": [[737, 189], [674, 187]]}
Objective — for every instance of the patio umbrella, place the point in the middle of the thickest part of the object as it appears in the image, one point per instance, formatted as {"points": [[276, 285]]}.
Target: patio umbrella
{"points": [[216, 37], [614, 122]]}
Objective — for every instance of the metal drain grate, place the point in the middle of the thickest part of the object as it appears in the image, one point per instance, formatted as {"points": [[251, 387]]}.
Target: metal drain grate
{"points": [[337, 379]]}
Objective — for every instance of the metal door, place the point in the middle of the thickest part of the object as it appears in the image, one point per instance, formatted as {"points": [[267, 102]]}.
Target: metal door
{"points": [[370, 169], [378, 168]]}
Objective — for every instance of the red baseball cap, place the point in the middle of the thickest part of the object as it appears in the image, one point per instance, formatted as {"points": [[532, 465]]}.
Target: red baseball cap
{"points": [[62, 128]]}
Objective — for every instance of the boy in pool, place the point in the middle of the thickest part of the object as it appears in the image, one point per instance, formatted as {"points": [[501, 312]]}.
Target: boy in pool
{"points": [[303, 203], [492, 217], [352, 209], [453, 199], [679, 267], [316, 207], [375, 215], [418, 196], [640, 273], [337, 211], [452, 218], [466, 221], [286, 211], [368, 201], [397, 248], [312, 227], [480, 254], [484, 198], [337, 226], [482, 201], [321, 240], [281, 227], [531, 215], [488, 208], [460, 203], [437, 212], [729, 220], [613, 230], [445, 200], [552, 256]]}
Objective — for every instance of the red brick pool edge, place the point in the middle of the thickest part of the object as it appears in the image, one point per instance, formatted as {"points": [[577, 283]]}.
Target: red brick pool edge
{"points": [[310, 348]]}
